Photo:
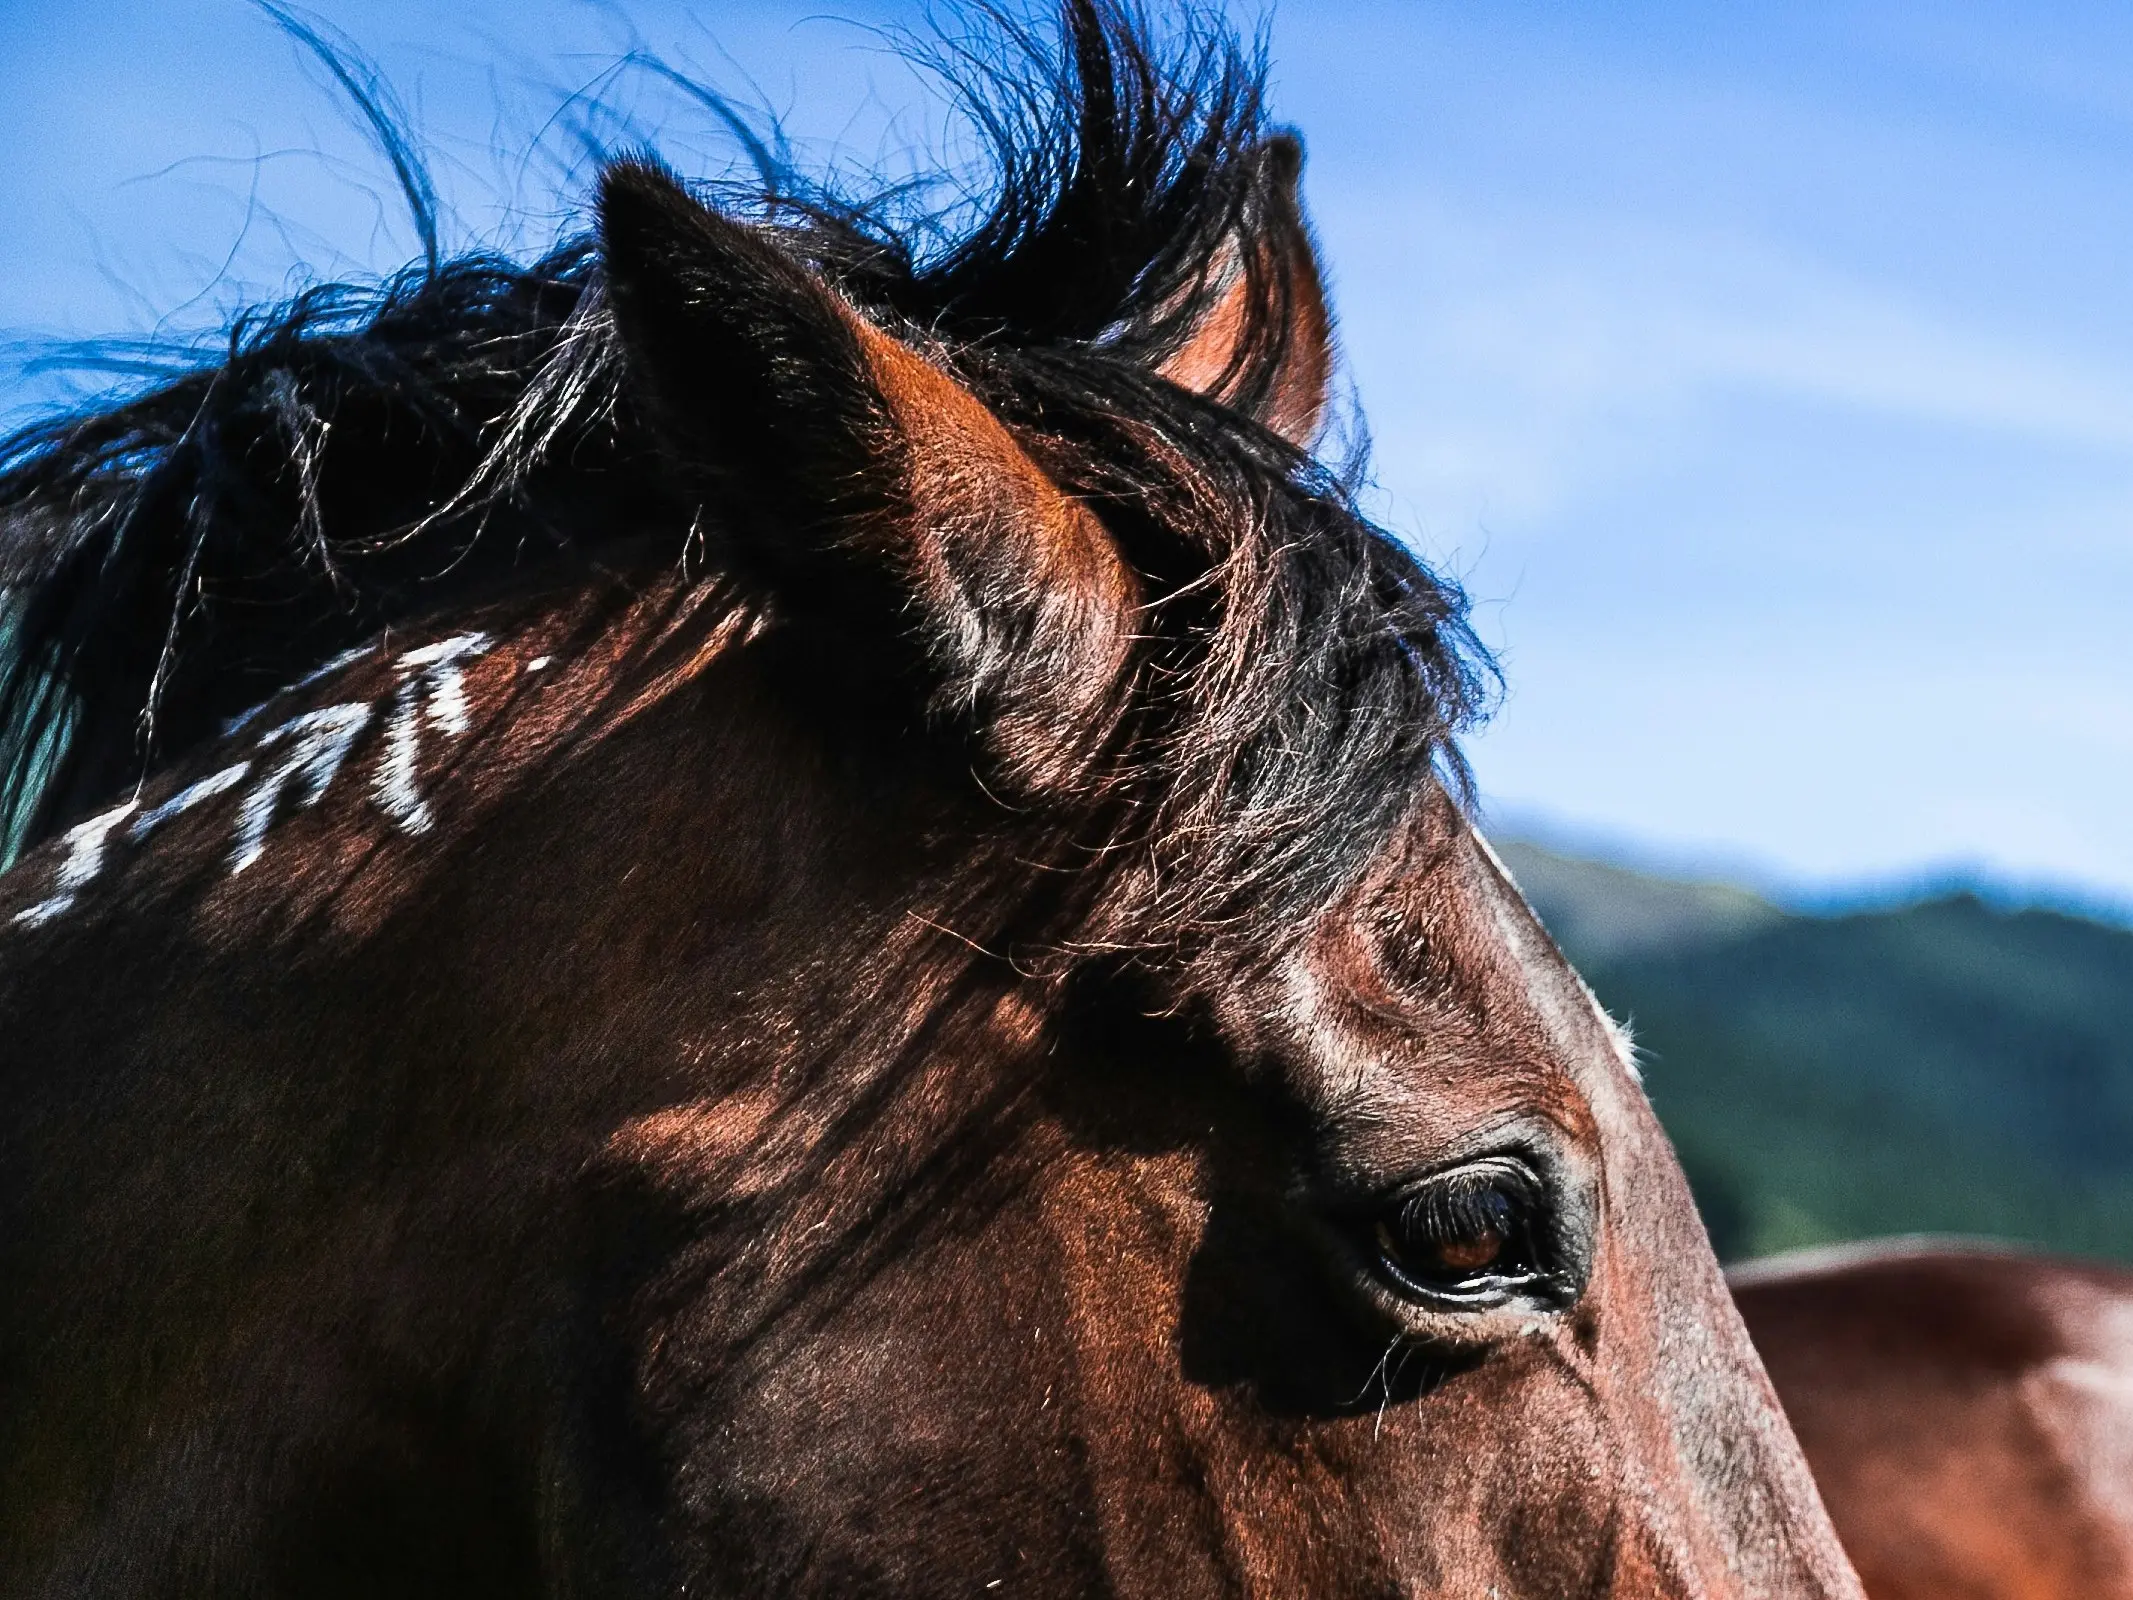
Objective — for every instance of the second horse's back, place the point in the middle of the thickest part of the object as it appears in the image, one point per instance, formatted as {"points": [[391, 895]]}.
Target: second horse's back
{"points": [[1967, 1411]]}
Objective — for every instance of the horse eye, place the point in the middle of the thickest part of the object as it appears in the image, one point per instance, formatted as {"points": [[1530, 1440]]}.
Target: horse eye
{"points": [[1466, 1236]]}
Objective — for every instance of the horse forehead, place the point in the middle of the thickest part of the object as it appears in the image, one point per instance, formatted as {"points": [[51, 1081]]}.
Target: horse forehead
{"points": [[1597, 1049], [1443, 975]]}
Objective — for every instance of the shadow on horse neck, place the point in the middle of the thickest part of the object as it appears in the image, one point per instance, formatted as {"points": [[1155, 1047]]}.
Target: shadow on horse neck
{"points": [[742, 914]]}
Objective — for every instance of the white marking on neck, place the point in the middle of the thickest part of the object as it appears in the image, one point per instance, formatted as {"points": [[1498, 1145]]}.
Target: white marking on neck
{"points": [[316, 745], [434, 671], [347, 658], [321, 740], [185, 799], [85, 859]]}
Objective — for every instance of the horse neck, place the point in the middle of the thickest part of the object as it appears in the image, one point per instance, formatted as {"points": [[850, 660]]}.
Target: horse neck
{"points": [[647, 877], [664, 940]]}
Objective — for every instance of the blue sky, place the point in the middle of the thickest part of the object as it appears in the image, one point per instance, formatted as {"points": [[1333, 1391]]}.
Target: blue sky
{"points": [[1765, 371]]}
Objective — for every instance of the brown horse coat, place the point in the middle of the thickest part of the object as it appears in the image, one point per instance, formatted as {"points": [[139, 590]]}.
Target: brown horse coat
{"points": [[1968, 1412], [849, 968]]}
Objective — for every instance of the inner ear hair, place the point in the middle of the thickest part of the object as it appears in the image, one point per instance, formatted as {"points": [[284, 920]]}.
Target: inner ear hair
{"points": [[1263, 344]]}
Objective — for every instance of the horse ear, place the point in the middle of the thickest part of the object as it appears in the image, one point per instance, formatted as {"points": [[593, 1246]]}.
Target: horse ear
{"points": [[857, 473], [748, 366], [1264, 343]]}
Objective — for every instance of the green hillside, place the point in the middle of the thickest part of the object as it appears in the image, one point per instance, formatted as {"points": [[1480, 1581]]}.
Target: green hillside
{"points": [[1947, 1066]]}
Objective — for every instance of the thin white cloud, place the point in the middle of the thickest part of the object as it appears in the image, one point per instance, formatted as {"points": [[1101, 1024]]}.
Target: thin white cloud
{"points": [[1501, 377]]}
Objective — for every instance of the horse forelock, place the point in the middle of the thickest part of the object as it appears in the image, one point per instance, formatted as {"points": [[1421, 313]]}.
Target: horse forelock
{"points": [[367, 457]]}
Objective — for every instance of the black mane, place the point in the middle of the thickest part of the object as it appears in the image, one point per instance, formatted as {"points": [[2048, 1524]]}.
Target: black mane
{"points": [[364, 454]]}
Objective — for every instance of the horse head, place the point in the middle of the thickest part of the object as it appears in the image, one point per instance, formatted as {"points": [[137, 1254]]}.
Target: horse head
{"points": [[918, 1011]]}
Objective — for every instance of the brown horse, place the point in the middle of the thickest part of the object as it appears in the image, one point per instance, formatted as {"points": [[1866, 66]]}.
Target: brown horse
{"points": [[1968, 1413], [850, 965]]}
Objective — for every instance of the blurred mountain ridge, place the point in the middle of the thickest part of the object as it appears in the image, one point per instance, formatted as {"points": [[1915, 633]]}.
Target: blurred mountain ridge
{"points": [[1607, 912], [1953, 1064]]}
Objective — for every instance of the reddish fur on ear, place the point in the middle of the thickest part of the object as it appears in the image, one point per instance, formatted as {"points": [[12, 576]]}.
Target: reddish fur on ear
{"points": [[1044, 595], [863, 477], [1270, 304]]}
